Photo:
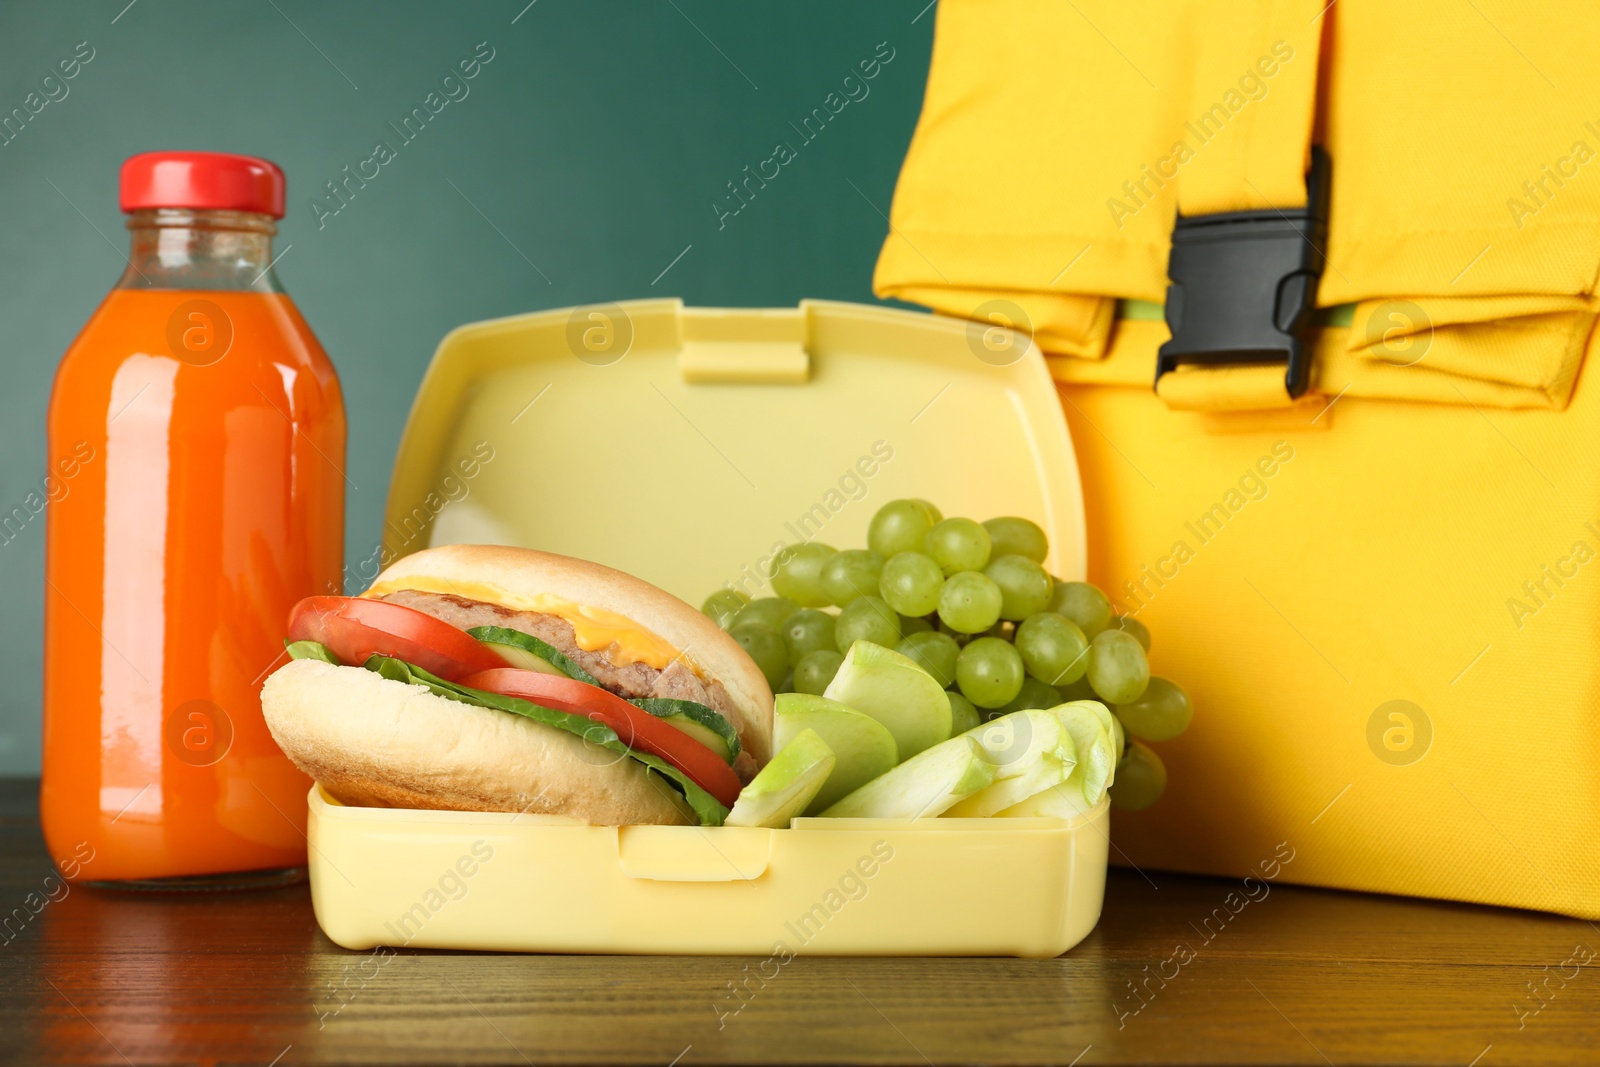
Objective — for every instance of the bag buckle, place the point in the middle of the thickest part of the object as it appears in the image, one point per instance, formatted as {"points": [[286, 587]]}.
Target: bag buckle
{"points": [[1244, 285]]}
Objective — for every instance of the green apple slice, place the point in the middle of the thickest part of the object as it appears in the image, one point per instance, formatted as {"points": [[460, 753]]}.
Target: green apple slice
{"points": [[1097, 758], [863, 746], [924, 785], [893, 689], [1113, 728], [1064, 801], [785, 785], [1031, 751]]}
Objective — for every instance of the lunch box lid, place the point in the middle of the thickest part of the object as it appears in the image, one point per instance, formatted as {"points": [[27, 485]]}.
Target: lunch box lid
{"points": [[688, 445]]}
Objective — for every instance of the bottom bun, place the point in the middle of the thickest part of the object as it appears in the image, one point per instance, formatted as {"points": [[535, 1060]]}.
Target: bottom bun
{"points": [[373, 742]]}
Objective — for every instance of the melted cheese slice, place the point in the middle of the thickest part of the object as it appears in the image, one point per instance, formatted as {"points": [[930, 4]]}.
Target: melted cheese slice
{"points": [[594, 629]]}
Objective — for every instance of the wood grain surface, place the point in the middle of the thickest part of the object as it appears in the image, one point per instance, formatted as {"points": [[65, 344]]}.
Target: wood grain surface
{"points": [[1294, 976]]}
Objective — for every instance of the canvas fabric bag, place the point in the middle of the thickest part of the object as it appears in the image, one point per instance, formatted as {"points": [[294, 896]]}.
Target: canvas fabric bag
{"points": [[1384, 594]]}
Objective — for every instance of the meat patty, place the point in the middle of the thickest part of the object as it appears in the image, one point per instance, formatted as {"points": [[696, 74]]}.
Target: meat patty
{"points": [[630, 680]]}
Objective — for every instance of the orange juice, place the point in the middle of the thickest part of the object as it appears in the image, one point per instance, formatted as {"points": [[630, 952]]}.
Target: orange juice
{"points": [[197, 435]]}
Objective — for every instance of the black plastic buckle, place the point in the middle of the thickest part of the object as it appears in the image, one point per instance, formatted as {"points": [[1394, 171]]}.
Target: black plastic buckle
{"points": [[1244, 285]]}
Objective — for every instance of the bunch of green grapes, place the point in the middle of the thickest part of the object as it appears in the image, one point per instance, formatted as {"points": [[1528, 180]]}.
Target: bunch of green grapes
{"points": [[972, 603]]}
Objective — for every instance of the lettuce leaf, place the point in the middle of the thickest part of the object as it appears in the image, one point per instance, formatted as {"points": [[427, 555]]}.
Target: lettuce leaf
{"points": [[310, 650], [706, 807]]}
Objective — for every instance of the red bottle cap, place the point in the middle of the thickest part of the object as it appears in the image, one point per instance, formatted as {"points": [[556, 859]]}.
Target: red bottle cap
{"points": [[217, 180]]}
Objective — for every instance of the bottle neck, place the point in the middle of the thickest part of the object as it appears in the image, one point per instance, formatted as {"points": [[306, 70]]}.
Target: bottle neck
{"points": [[193, 249]]}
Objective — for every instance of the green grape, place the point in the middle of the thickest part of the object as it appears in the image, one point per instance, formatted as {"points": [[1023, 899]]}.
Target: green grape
{"points": [[1084, 605], [900, 526], [970, 602], [1078, 690], [723, 605], [929, 509], [1033, 694], [867, 618], [958, 545], [815, 670], [911, 582], [808, 630], [850, 574], [935, 653], [963, 716], [914, 624], [1013, 536], [763, 645], [1160, 714], [797, 573], [1053, 649], [787, 685], [1141, 779], [1117, 667], [1129, 624], [1025, 588], [769, 611], [989, 672]]}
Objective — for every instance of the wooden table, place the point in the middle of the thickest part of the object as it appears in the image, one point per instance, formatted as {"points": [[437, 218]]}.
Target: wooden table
{"points": [[1299, 976]]}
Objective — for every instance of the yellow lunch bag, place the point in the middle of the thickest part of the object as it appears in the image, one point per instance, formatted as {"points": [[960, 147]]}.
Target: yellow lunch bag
{"points": [[1360, 506]]}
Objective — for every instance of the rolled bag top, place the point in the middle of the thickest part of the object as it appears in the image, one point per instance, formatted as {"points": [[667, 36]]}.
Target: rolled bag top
{"points": [[1059, 144]]}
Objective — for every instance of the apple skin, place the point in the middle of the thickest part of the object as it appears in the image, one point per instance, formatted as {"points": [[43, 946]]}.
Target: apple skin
{"points": [[862, 746], [788, 783], [894, 689]]}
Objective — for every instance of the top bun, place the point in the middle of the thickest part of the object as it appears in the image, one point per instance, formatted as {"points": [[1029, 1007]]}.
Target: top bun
{"points": [[528, 572]]}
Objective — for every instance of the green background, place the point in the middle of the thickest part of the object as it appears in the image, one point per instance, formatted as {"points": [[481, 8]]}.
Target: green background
{"points": [[593, 144]]}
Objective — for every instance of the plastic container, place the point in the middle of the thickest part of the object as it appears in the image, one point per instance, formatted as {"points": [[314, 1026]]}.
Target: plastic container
{"points": [[832, 887], [686, 446]]}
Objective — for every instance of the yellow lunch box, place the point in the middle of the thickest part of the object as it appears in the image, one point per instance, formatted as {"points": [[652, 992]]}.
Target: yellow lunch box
{"points": [[687, 446]]}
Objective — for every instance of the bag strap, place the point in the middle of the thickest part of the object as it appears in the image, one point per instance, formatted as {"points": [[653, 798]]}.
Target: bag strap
{"points": [[1250, 239]]}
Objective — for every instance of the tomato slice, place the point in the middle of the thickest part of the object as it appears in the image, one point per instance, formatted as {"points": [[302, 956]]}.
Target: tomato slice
{"points": [[635, 727], [354, 628]]}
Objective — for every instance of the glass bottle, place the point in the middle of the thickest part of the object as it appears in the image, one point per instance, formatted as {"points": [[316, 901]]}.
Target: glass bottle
{"points": [[196, 446]]}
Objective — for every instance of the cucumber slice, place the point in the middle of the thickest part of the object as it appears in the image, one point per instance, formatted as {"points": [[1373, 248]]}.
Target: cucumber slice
{"points": [[928, 783], [786, 785], [863, 746], [504, 635], [518, 656], [698, 721], [1031, 750], [705, 736]]}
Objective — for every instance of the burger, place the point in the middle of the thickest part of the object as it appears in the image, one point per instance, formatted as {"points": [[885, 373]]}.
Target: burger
{"points": [[489, 678]]}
